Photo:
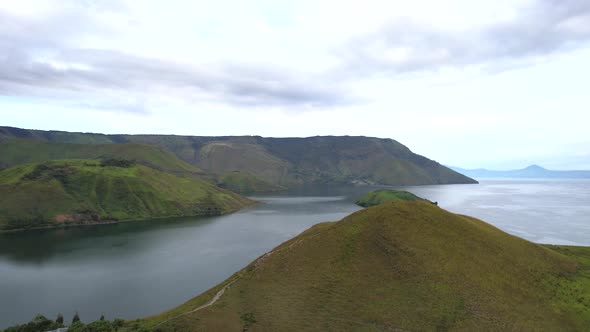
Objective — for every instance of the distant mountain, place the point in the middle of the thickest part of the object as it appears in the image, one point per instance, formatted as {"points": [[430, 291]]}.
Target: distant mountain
{"points": [[401, 266], [533, 171], [83, 191], [279, 161]]}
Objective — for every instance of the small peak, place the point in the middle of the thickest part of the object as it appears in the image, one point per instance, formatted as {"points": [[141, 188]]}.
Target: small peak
{"points": [[534, 167]]}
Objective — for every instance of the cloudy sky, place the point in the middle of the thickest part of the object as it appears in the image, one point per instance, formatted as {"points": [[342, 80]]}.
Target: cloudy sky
{"points": [[497, 84]]}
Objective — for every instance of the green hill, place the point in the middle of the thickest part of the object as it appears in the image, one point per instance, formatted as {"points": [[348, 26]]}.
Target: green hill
{"points": [[66, 192], [381, 196], [21, 151], [404, 266], [282, 161], [242, 182]]}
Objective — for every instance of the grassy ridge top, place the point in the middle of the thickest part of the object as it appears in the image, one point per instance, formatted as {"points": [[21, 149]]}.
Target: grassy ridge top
{"points": [[405, 266], [57, 193], [21, 151], [381, 196]]}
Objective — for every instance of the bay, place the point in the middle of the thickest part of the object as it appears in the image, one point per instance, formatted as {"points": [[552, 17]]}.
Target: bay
{"points": [[136, 269]]}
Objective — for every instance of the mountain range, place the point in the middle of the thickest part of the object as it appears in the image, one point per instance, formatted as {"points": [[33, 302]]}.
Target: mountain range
{"points": [[532, 171], [274, 162]]}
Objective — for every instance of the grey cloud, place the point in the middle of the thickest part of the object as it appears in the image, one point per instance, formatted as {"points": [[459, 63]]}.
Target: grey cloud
{"points": [[92, 70], [39, 59], [543, 28]]}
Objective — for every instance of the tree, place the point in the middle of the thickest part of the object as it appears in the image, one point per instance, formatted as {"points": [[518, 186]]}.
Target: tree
{"points": [[60, 319], [101, 317], [76, 318]]}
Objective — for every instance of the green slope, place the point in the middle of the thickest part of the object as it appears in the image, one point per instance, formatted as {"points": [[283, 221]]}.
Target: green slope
{"points": [[242, 182], [226, 157], [57, 193], [283, 161], [381, 196], [21, 151], [403, 266]]}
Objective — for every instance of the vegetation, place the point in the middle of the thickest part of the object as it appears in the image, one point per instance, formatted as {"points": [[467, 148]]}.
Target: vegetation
{"points": [[38, 324], [72, 192], [404, 266], [100, 325], [117, 162], [16, 152], [42, 324], [278, 161], [242, 182], [381, 196], [248, 320], [407, 266]]}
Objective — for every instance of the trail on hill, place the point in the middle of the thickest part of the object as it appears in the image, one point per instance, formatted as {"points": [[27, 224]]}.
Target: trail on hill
{"points": [[210, 303], [220, 293]]}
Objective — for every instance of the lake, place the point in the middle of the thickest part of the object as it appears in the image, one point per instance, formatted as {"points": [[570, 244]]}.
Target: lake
{"points": [[137, 269]]}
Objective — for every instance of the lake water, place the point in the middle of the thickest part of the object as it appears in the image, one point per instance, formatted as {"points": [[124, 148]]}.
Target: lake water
{"points": [[137, 269]]}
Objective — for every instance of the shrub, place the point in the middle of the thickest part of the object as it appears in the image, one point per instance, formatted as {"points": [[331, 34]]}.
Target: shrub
{"points": [[39, 323], [117, 162], [57, 171], [248, 320]]}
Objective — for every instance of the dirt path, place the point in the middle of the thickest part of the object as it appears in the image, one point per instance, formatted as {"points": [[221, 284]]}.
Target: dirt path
{"points": [[210, 303], [218, 295]]}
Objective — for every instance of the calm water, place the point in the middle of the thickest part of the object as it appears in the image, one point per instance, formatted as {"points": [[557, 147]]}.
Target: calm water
{"points": [[137, 269]]}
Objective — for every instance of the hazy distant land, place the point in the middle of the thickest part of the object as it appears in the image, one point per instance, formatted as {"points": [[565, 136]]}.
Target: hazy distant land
{"points": [[532, 171]]}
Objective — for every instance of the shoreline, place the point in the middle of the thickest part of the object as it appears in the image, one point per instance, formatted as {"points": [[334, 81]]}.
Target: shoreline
{"points": [[111, 222]]}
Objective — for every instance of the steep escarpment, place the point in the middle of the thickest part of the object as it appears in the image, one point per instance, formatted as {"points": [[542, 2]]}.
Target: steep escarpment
{"points": [[282, 161]]}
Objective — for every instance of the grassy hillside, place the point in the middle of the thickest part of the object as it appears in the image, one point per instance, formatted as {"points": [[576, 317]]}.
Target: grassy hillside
{"points": [[225, 157], [358, 159], [283, 161], [401, 266], [21, 151], [242, 182], [57, 193], [377, 197]]}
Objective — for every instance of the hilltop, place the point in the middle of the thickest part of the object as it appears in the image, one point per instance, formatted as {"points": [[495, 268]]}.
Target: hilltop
{"points": [[280, 161], [71, 192], [380, 196], [401, 266], [532, 171]]}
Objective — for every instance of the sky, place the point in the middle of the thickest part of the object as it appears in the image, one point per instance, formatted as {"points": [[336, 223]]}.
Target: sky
{"points": [[489, 83]]}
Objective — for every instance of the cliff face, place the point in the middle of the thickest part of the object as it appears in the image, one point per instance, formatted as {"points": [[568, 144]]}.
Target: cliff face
{"points": [[282, 161]]}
